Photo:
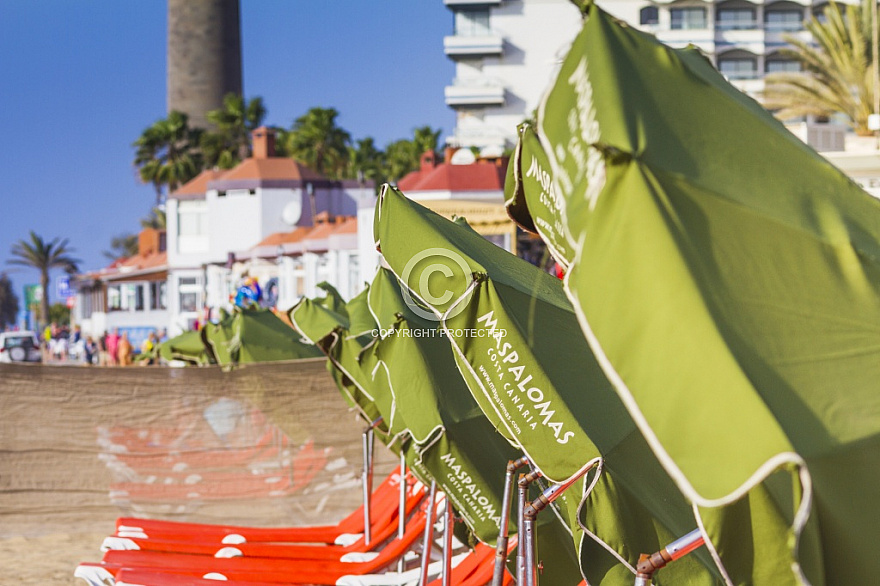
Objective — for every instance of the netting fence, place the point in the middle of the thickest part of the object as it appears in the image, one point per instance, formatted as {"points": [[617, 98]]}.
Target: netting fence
{"points": [[267, 445]]}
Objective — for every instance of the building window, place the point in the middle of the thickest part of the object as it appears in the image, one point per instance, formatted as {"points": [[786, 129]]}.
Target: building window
{"points": [[129, 296], [114, 298], [784, 20], [687, 18], [734, 68], [192, 218], [189, 294], [471, 22], [158, 295], [139, 301], [732, 19], [649, 16], [782, 66]]}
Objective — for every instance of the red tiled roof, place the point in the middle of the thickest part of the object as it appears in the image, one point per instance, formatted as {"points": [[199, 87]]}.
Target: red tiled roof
{"points": [[198, 185], [272, 168], [285, 237], [138, 264], [348, 226], [321, 231], [141, 262], [481, 176]]}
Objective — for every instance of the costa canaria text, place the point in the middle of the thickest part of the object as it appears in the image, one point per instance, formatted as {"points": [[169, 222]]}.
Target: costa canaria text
{"points": [[520, 389]]}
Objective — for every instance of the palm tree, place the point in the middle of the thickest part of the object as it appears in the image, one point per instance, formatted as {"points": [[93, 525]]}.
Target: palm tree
{"points": [[167, 153], [8, 303], [425, 139], [317, 141], [235, 121], [122, 246], [403, 156], [366, 162], [837, 76], [44, 256], [155, 220]]}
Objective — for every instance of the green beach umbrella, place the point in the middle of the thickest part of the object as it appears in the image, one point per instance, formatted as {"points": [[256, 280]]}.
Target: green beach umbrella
{"points": [[328, 329], [187, 347], [518, 345], [727, 278], [455, 443], [361, 377], [531, 199], [254, 335]]}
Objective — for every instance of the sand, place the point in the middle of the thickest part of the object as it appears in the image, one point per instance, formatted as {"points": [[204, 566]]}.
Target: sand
{"points": [[233, 436]]}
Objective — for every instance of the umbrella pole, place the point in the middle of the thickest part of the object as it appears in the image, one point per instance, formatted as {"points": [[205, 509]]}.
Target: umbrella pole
{"points": [[503, 537], [429, 534], [448, 524], [524, 549], [401, 512], [650, 563], [530, 515], [367, 476]]}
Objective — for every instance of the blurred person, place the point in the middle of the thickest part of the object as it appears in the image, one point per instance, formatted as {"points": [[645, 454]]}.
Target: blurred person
{"points": [[47, 341], [148, 346], [123, 351], [113, 347], [90, 351], [103, 354]]}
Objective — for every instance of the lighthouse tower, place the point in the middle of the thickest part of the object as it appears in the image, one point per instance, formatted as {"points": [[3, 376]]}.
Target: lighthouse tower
{"points": [[204, 56]]}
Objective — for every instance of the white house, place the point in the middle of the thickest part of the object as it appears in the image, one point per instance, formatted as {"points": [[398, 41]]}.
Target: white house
{"points": [[222, 214]]}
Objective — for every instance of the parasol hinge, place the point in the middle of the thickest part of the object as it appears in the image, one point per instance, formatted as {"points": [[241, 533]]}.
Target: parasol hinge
{"points": [[650, 563]]}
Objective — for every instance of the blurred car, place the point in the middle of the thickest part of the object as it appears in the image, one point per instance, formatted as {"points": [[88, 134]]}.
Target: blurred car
{"points": [[19, 347]]}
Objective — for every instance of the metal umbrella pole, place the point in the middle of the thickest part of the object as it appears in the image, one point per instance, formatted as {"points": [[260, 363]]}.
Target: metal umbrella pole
{"points": [[530, 514], [401, 512], [448, 525], [429, 534], [650, 563], [522, 549], [503, 536], [367, 475]]}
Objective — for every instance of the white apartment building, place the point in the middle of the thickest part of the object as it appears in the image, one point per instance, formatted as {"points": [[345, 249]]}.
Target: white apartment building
{"points": [[744, 38], [504, 62]]}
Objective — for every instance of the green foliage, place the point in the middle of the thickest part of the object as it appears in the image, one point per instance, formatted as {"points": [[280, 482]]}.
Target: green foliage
{"points": [[837, 76], [317, 141], [8, 303], [155, 220], [404, 156], [366, 162], [167, 153], [122, 246], [43, 256], [230, 143], [59, 313]]}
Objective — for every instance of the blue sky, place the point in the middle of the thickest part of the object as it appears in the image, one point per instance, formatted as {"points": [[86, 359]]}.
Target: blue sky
{"points": [[79, 81]]}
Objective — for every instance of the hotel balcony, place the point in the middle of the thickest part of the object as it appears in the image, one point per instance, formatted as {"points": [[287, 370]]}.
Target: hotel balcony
{"points": [[464, 93], [472, 46]]}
